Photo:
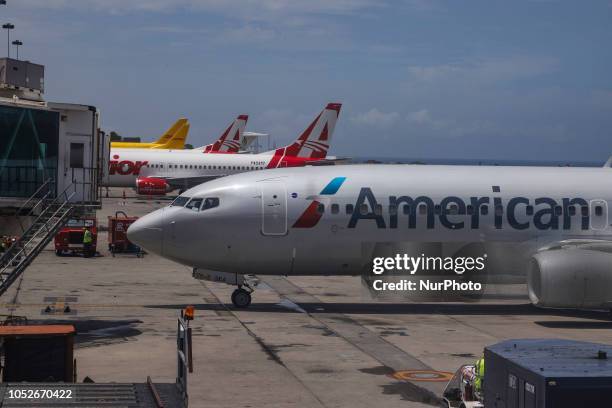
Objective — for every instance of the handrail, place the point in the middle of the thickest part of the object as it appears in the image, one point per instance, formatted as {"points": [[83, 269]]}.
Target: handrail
{"points": [[38, 190], [6, 255], [34, 194], [22, 246]]}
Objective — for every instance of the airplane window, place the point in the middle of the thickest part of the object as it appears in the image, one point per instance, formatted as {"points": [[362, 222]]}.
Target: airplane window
{"points": [[484, 210], [499, 210], [558, 210], [598, 210], [437, 209], [194, 204], [529, 210], [453, 209], [179, 201], [321, 208], [406, 209], [181, 166], [363, 209], [470, 209], [161, 166], [378, 209], [392, 210], [584, 211], [422, 209], [572, 210], [210, 202], [335, 208], [349, 208]]}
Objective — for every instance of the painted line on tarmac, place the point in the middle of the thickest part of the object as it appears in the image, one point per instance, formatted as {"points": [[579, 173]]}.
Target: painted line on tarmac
{"points": [[265, 347], [361, 338]]}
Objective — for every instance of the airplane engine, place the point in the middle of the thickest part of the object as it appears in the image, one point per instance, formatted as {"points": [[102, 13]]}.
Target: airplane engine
{"points": [[151, 186], [571, 278]]}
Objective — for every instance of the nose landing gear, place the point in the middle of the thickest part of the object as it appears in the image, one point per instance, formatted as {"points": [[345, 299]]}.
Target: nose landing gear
{"points": [[241, 298]]}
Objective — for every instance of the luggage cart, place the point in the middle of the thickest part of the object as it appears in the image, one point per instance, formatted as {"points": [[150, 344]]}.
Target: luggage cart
{"points": [[117, 235]]}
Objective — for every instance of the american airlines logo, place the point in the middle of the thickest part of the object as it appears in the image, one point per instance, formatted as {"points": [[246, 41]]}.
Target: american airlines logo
{"points": [[452, 212], [311, 216]]}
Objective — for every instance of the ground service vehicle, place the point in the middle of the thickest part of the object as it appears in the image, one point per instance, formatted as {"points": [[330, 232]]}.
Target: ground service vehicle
{"points": [[117, 234], [70, 238]]}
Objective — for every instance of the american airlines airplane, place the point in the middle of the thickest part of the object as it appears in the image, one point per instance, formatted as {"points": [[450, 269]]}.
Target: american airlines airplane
{"points": [[160, 171], [549, 222]]}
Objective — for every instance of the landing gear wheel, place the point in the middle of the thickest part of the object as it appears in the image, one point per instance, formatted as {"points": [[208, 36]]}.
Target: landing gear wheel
{"points": [[241, 298], [59, 252]]}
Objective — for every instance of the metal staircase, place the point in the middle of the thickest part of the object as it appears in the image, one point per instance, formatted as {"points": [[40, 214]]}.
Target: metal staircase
{"points": [[53, 213]]}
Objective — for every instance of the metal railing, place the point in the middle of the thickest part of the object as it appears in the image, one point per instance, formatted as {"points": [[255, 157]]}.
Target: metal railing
{"points": [[20, 255], [23, 181], [47, 185], [29, 181]]}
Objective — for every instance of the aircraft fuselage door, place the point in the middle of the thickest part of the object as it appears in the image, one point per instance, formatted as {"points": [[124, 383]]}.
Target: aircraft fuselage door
{"points": [[599, 214], [273, 208]]}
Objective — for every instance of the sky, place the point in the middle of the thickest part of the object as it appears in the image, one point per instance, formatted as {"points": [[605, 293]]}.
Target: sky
{"points": [[520, 80]]}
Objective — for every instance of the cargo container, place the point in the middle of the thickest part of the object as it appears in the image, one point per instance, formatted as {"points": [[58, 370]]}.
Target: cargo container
{"points": [[547, 373]]}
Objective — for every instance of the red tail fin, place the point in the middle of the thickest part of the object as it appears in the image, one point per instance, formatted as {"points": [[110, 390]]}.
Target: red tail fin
{"points": [[314, 142], [229, 141]]}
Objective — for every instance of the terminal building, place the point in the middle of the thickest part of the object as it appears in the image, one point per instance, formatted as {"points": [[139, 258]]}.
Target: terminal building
{"points": [[53, 156], [50, 146]]}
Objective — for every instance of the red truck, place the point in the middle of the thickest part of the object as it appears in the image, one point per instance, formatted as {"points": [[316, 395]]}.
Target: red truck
{"points": [[70, 238]]}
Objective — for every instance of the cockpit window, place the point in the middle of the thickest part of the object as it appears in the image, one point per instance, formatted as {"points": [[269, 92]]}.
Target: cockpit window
{"points": [[194, 204], [210, 202], [180, 201]]}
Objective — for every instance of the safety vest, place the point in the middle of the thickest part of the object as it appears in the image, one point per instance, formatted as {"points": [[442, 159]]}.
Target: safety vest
{"points": [[480, 372], [87, 237]]}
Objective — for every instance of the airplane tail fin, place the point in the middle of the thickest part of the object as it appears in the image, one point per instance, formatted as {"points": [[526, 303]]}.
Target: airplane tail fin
{"points": [[178, 139], [167, 135], [229, 141], [314, 142]]}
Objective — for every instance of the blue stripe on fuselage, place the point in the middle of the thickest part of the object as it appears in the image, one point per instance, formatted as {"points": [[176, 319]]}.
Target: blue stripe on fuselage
{"points": [[333, 186]]}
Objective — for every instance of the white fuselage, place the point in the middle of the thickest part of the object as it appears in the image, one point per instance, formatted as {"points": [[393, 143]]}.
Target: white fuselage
{"points": [[126, 165], [266, 223]]}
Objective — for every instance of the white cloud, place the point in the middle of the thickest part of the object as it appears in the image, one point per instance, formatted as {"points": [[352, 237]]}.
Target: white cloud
{"points": [[420, 117], [486, 69], [376, 118]]}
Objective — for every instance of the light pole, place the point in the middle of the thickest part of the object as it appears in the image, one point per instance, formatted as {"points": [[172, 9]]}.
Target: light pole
{"points": [[17, 43], [8, 27]]}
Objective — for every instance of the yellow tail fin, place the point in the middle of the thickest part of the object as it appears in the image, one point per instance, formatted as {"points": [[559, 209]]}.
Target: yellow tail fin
{"points": [[178, 139], [167, 135]]}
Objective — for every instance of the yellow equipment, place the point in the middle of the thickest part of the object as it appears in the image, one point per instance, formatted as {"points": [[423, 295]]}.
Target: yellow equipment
{"points": [[173, 138]]}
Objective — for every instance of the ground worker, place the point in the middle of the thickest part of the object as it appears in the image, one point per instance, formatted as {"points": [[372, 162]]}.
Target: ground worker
{"points": [[480, 373], [87, 242]]}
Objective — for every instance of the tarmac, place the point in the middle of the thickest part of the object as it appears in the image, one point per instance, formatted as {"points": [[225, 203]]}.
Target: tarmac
{"points": [[304, 342]]}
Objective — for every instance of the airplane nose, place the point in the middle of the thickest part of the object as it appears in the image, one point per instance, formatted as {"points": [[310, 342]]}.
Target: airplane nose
{"points": [[147, 232]]}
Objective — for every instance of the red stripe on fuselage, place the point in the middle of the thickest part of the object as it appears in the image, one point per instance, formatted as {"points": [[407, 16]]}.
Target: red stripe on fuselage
{"points": [[310, 217]]}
